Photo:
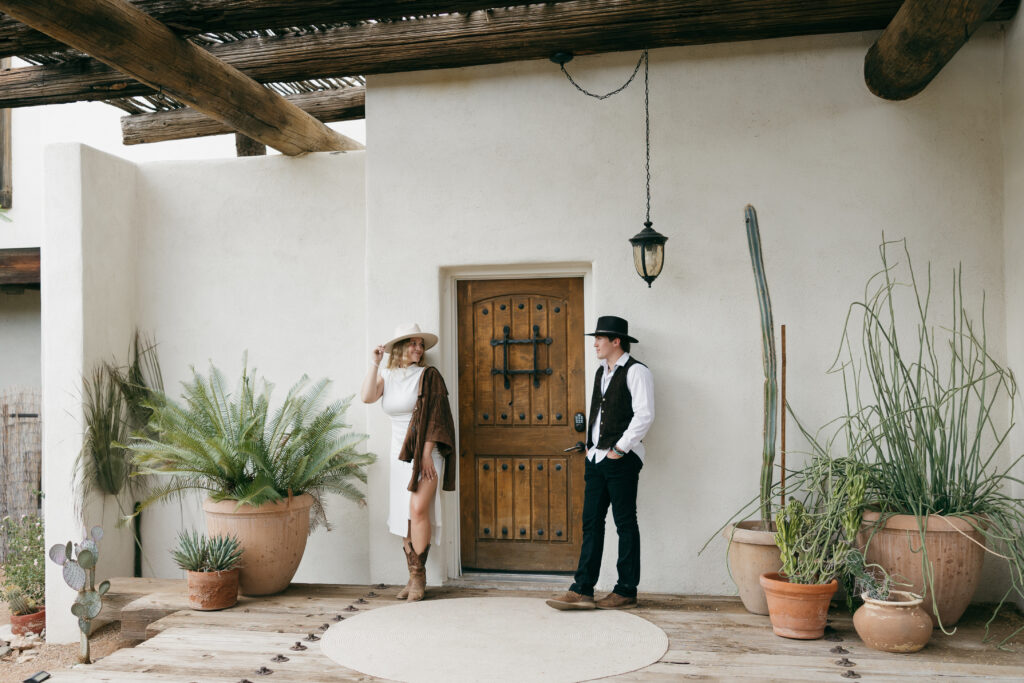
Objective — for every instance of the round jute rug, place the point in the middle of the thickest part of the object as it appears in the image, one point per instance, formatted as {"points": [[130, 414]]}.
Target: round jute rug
{"points": [[493, 639]]}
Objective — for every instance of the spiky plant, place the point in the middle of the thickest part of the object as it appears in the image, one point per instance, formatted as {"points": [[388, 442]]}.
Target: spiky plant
{"points": [[223, 553], [18, 602], [197, 553], [232, 447], [190, 554]]}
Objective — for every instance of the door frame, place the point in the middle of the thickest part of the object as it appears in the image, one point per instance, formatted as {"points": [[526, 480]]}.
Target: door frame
{"points": [[449, 344]]}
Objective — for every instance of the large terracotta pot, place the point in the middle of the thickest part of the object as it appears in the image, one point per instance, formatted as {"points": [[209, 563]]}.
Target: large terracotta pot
{"points": [[898, 624], [212, 590], [797, 610], [956, 552], [272, 535], [752, 552], [28, 623]]}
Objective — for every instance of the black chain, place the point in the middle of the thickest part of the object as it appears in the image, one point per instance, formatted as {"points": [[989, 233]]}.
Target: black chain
{"points": [[647, 113]]}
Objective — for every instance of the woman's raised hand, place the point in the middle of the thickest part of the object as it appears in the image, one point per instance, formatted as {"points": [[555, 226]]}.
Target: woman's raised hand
{"points": [[377, 355]]}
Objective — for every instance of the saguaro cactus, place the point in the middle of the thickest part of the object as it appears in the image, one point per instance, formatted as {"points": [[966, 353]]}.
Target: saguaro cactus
{"points": [[79, 562]]}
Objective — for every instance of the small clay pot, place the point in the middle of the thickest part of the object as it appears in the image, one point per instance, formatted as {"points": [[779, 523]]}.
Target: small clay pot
{"points": [[898, 624], [28, 623], [797, 610], [212, 590]]}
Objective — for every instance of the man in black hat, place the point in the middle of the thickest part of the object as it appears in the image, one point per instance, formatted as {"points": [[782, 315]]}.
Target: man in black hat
{"points": [[621, 413]]}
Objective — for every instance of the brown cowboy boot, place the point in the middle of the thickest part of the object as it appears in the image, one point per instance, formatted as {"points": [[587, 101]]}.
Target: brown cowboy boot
{"points": [[417, 573], [409, 555]]}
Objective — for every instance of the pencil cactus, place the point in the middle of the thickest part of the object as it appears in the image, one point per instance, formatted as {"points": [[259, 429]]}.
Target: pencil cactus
{"points": [[78, 561]]}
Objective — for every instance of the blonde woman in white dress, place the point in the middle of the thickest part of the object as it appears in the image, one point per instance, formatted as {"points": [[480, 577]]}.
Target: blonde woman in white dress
{"points": [[422, 443]]}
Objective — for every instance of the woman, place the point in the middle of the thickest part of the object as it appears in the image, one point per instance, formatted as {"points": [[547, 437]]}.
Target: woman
{"points": [[422, 434]]}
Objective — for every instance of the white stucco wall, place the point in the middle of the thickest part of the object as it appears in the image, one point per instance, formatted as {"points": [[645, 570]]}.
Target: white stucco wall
{"points": [[19, 339], [87, 317], [504, 165], [1013, 222]]}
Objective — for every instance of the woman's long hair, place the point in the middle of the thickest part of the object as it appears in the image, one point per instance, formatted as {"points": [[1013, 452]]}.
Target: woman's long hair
{"points": [[398, 351]]}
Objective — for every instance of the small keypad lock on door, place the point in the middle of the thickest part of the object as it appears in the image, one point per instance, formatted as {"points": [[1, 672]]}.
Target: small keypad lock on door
{"points": [[579, 422]]}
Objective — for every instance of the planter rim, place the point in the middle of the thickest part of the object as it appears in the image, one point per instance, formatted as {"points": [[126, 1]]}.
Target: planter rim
{"points": [[297, 503], [219, 573], [908, 599], [939, 523], [39, 611], [746, 532], [776, 581]]}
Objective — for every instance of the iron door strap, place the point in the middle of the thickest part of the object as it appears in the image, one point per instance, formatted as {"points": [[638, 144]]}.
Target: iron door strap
{"points": [[534, 340]]}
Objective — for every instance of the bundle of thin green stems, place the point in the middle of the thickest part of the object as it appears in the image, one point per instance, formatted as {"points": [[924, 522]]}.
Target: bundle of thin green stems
{"points": [[925, 416]]}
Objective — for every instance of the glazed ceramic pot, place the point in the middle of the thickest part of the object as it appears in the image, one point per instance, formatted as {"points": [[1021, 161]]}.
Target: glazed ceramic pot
{"points": [[272, 536], [898, 624], [752, 552], [212, 590], [797, 610], [955, 549], [28, 623]]}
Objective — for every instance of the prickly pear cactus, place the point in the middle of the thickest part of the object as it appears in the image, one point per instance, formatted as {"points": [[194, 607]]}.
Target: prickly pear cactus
{"points": [[79, 568]]}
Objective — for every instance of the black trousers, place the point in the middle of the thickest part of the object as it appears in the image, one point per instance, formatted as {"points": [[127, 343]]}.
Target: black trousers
{"points": [[610, 482]]}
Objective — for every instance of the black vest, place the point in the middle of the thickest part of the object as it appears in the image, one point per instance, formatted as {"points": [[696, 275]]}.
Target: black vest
{"points": [[616, 407]]}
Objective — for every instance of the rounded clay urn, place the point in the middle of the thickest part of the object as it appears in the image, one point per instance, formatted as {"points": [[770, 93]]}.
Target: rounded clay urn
{"points": [[954, 547], [752, 552], [898, 624], [797, 610]]}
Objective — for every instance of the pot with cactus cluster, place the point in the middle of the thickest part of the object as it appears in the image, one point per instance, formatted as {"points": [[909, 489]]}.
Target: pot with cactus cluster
{"points": [[26, 617], [212, 568]]}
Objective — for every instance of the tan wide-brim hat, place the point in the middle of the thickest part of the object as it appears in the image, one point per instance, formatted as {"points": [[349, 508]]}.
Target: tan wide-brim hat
{"points": [[407, 330]]}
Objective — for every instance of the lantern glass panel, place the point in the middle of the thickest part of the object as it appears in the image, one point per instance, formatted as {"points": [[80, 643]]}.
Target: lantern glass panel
{"points": [[648, 259]]}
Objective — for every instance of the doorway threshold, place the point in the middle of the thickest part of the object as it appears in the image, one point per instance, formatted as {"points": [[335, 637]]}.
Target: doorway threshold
{"points": [[512, 581]]}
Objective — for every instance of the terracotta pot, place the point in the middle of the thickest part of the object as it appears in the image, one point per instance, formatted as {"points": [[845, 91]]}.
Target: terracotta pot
{"points": [[898, 624], [752, 552], [955, 550], [212, 590], [28, 623], [272, 536], [797, 610]]}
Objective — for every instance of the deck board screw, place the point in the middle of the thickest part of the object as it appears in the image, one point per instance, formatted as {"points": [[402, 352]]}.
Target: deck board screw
{"points": [[839, 650], [298, 647], [845, 662], [279, 658]]}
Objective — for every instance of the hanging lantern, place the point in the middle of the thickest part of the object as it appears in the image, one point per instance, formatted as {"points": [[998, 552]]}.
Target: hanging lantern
{"points": [[648, 252]]}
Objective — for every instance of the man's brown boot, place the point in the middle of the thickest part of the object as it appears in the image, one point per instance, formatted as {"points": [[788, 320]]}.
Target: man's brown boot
{"points": [[572, 601], [417, 573], [407, 549], [616, 601]]}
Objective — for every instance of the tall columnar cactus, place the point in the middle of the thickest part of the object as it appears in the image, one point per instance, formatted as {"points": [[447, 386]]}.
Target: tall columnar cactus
{"points": [[79, 562], [771, 390]]}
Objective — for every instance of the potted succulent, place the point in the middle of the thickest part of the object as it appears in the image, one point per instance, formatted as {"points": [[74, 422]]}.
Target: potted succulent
{"points": [[889, 620], [815, 536], [928, 414], [752, 549], [25, 573], [212, 568], [265, 473]]}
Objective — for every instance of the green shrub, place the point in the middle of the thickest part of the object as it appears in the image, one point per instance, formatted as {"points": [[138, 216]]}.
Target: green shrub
{"points": [[24, 565]]}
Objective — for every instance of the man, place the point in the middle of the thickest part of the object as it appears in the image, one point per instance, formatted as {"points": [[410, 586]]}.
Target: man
{"points": [[621, 413]]}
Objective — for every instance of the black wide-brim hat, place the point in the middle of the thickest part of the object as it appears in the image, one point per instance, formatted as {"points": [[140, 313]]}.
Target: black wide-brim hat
{"points": [[613, 326]]}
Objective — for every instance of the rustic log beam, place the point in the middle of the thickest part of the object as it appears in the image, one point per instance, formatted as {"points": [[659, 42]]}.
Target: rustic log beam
{"points": [[245, 146], [325, 106], [922, 37], [132, 41], [6, 160], [203, 16], [501, 35], [19, 266]]}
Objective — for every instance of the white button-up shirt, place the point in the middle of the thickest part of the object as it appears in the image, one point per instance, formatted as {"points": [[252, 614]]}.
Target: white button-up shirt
{"points": [[641, 387]]}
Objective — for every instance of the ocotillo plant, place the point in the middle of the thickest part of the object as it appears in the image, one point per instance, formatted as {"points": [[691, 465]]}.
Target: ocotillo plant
{"points": [[771, 391], [79, 562]]}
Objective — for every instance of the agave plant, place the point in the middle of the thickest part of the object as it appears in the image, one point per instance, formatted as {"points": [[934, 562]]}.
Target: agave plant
{"points": [[234, 448], [197, 553]]}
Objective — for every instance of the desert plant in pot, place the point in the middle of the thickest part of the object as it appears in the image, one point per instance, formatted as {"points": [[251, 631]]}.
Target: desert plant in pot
{"points": [[888, 620], [211, 565], [752, 550], [927, 409], [815, 536], [24, 573], [265, 473]]}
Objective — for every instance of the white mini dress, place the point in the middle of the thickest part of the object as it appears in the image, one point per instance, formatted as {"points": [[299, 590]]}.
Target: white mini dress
{"points": [[401, 387]]}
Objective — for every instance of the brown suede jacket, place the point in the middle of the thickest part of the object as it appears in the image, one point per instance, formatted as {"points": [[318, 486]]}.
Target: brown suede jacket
{"points": [[431, 421]]}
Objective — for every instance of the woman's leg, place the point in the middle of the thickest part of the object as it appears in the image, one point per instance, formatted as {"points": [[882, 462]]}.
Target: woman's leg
{"points": [[419, 513]]}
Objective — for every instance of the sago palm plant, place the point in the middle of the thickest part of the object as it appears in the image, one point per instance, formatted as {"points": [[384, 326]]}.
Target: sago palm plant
{"points": [[233, 447]]}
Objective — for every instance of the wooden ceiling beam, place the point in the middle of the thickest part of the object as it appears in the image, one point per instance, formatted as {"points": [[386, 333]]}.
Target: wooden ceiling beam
{"points": [[502, 35], [19, 266], [922, 37], [132, 41], [180, 124], [203, 16]]}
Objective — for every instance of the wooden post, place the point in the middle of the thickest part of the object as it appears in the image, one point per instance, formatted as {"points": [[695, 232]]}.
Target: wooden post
{"points": [[6, 166], [782, 445], [245, 146]]}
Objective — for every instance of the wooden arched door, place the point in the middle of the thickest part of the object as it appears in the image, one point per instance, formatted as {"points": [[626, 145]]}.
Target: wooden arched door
{"points": [[521, 384]]}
